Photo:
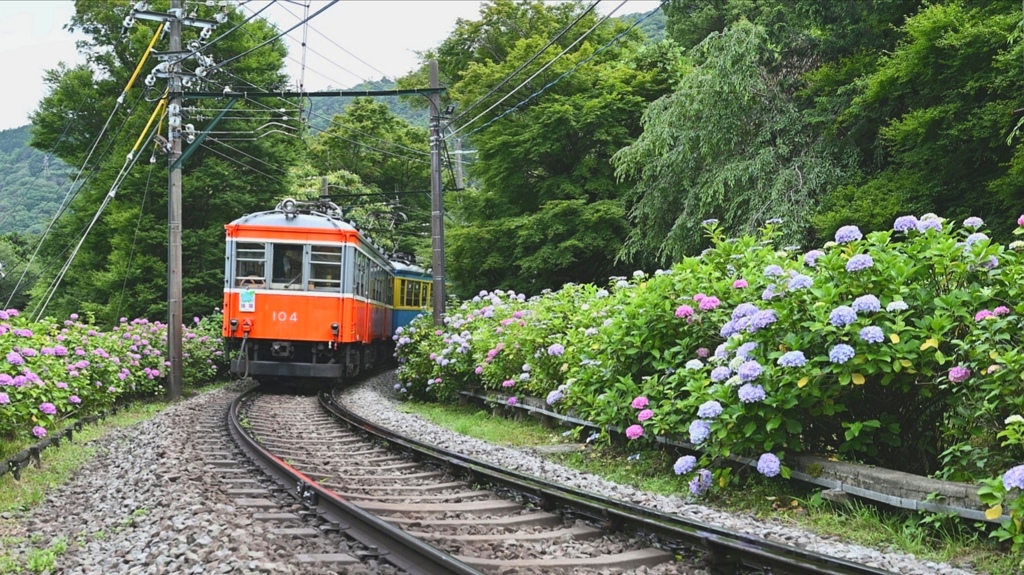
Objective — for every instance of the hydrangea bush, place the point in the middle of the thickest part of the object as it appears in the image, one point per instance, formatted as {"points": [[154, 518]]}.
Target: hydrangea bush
{"points": [[49, 373], [899, 348]]}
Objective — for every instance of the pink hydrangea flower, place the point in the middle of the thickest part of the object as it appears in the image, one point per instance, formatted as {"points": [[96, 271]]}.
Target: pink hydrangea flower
{"points": [[640, 402], [1001, 310], [684, 311], [697, 298], [634, 431], [983, 314], [959, 374], [644, 415], [1020, 220], [740, 283], [709, 303], [513, 400]]}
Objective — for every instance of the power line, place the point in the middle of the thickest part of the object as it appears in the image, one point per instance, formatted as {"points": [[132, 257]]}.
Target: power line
{"points": [[538, 72], [558, 79]]}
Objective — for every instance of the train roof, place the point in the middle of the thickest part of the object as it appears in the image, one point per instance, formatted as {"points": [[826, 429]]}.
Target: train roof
{"points": [[280, 218], [407, 268]]}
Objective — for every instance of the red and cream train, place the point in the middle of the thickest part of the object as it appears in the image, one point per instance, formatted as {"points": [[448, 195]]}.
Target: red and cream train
{"points": [[308, 296]]}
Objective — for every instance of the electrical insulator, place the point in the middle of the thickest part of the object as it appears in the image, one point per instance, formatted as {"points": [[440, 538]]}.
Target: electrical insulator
{"points": [[141, 6], [205, 34], [129, 21], [194, 45], [174, 121], [210, 3], [174, 110], [220, 17], [190, 138], [201, 71], [150, 80], [186, 81]]}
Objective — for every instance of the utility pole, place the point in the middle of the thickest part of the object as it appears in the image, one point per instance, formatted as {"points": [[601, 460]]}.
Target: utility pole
{"points": [[458, 164], [174, 319], [436, 205]]}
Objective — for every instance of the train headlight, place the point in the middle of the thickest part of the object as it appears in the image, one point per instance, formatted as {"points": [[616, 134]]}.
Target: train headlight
{"points": [[334, 328], [234, 325]]}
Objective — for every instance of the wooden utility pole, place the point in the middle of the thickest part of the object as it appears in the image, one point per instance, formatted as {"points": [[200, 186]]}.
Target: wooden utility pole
{"points": [[174, 320]]}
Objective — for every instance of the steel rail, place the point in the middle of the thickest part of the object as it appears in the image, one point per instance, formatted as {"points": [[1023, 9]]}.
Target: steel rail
{"points": [[726, 552], [394, 545]]}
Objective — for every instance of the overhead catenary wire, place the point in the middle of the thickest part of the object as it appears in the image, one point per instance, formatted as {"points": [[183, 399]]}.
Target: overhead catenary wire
{"points": [[135, 240], [277, 36], [542, 68], [564, 75]]}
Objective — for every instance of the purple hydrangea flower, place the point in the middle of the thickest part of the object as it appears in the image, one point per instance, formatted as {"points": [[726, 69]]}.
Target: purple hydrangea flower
{"points": [[975, 238], [841, 353], [1000, 311], [728, 329], [859, 262], [740, 283], [959, 374], [745, 350], [761, 320], [1014, 478], [867, 304], [847, 234], [709, 410], [556, 349], [991, 263], [703, 352], [48, 408], [684, 311], [800, 281], [684, 464], [872, 334], [644, 415], [75, 399], [769, 293], [14, 358], [811, 257], [700, 482], [923, 225], [554, 397], [792, 359], [639, 402], [39, 431], [750, 371], [973, 222], [769, 465], [773, 271], [905, 223], [751, 393], [634, 431], [4, 398], [720, 373], [744, 310], [700, 430], [842, 316]]}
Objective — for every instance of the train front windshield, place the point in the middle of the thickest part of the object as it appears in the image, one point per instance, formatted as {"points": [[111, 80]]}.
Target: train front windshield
{"points": [[287, 265]]}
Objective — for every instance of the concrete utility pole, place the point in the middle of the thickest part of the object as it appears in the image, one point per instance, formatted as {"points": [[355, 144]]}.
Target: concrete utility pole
{"points": [[436, 205], [174, 319]]}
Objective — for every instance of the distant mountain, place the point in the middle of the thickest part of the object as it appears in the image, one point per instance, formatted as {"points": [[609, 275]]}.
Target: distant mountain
{"points": [[653, 27], [323, 109], [32, 185]]}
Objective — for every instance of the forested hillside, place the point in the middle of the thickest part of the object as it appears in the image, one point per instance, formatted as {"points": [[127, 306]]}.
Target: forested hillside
{"points": [[32, 184]]}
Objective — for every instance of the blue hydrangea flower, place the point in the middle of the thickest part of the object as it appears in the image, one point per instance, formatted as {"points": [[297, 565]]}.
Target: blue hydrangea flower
{"points": [[773, 271], [859, 262], [800, 281], [745, 349], [720, 373], [867, 304], [556, 349], [700, 482], [769, 465], [1014, 478], [694, 364], [769, 292], [751, 393], [700, 430], [728, 329], [847, 234], [990, 264], [811, 257], [709, 222], [872, 334], [905, 223], [896, 305], [975, 238], [744, 310], [792, 359], [709, 410], [973, 222], [554, 397], [721, 352], [684, 464], [841, 353], [842, 316], [761, 320]]}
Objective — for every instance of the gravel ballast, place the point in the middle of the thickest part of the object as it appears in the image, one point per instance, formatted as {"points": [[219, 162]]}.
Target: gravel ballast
{"points": [[375, 401]]}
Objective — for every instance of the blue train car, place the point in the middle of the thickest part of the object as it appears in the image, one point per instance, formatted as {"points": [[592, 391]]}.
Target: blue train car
{"points": [[413, 293]]}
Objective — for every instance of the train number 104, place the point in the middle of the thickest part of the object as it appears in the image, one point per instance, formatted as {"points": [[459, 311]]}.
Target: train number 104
{"points": [[283, 316]]}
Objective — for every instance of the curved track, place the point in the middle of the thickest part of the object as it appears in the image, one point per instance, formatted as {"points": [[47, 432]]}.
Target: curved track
{"points": [[479, 518]]}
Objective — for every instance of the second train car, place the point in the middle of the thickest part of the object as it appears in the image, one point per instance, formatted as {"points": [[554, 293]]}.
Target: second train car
{"points": [[308, 297]]}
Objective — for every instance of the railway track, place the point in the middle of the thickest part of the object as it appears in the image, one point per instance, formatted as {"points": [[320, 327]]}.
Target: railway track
{"points": [[427, 510]]}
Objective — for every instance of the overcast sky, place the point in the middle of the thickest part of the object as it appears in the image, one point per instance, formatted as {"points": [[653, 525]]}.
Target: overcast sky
{"points": [[352, 41]]}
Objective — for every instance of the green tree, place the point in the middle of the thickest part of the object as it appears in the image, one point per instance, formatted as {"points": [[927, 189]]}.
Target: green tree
{"points": [[547, 208], [121, 269]]}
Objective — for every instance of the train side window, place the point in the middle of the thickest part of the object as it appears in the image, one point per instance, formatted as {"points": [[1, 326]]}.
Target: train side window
{"points": [[250, 265], [359, 286], [287, 268], [325, 268]]}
